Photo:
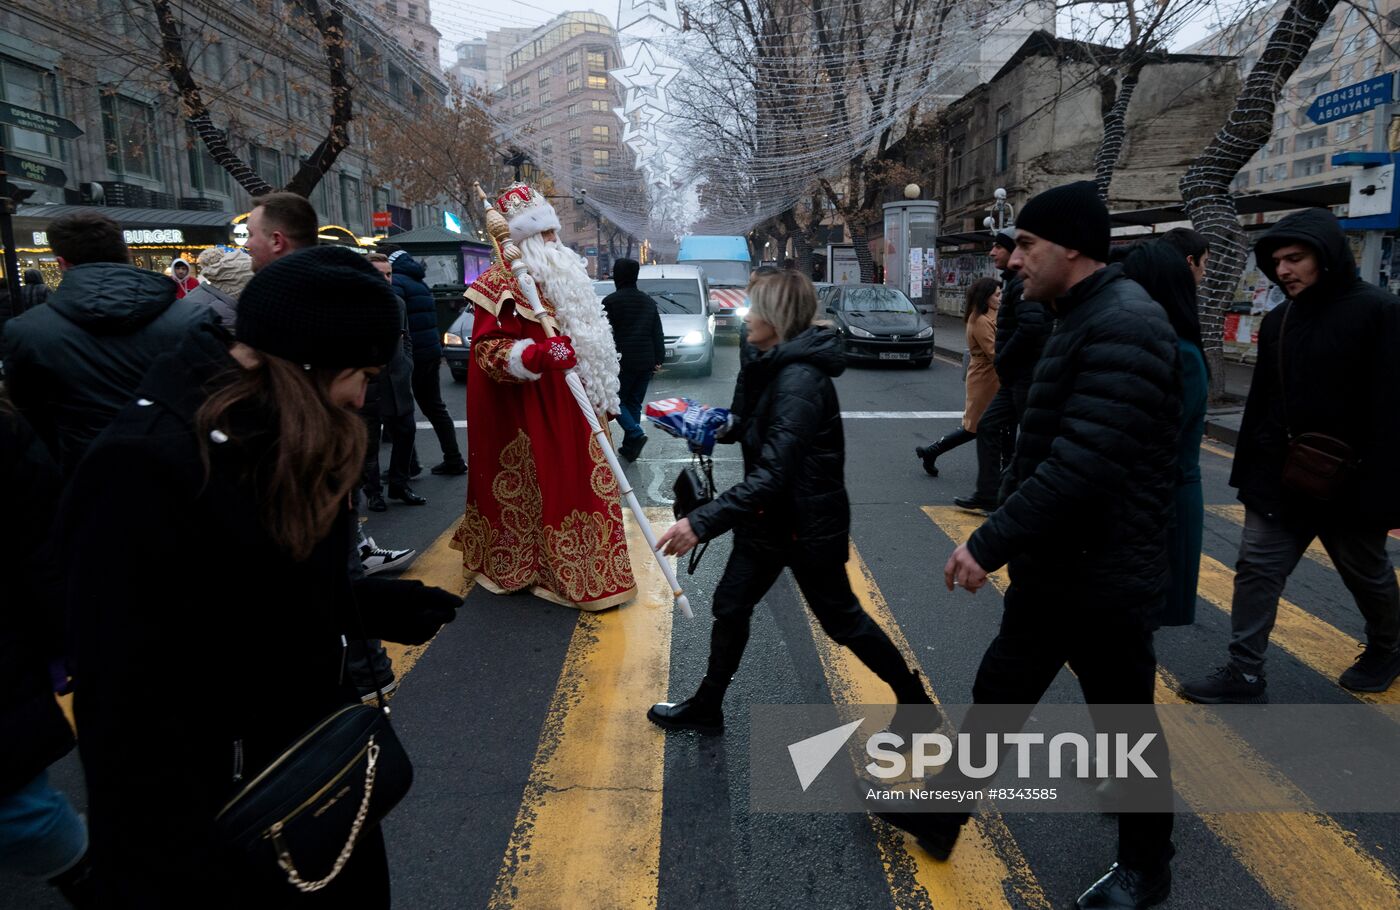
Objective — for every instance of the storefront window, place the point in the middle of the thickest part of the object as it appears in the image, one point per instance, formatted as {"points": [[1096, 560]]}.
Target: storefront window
{"points": [[352, 207], [129, 130], [268, 163], [205, 174]]}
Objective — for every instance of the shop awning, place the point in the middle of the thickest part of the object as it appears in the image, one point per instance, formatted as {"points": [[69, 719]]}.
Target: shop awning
{"points": [[131, 219]]}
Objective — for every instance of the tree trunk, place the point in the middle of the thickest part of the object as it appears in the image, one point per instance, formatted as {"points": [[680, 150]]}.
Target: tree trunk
{"points": [[1115, 129], [860, 236], [801, 242], [331, 26], [1205, 187]]}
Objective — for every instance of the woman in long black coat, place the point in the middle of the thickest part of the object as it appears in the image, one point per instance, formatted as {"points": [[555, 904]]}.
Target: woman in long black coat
{"points": [[790, 509], [205, 535]]}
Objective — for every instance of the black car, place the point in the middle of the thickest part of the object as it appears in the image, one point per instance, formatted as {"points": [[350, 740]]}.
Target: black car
{"points": [[877, 323]]}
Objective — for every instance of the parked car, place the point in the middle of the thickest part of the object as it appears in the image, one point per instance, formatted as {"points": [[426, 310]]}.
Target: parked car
{"points": [[680, 293], [456, 343], [877, 323]]}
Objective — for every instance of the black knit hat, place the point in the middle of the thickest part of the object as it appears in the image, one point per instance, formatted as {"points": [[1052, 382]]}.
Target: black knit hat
{"points": [[1072, 215], [1005, 239], [324, 306]]}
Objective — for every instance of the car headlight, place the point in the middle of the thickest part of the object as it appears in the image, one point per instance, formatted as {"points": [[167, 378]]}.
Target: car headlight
{"points": [[925, 332], [859, 332], [741, 312], [692, 338], [454, 340]]}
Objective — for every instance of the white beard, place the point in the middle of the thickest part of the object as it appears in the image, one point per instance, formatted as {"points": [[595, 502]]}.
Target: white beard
{"points": [[560, 273]]}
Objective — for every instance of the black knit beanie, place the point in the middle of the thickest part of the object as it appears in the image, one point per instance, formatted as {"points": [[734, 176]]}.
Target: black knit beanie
{"points": [[1005, 239], [1072, 215], [324, 306]]}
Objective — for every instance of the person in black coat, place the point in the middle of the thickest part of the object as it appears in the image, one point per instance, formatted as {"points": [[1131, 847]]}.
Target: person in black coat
{"points": [[408, 275], [1328, 365], [71, 365], [791, 507], [34, 293], [40, 834], [636, 326], [1084, 529], [207, 475], [1022, 327]]}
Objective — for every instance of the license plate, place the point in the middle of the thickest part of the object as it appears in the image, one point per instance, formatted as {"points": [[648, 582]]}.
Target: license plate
{"points": [[894, 355]]}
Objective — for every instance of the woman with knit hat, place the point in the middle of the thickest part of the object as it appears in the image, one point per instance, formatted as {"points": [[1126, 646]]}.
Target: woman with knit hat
{"points": [[224, 273], [194, 673]]}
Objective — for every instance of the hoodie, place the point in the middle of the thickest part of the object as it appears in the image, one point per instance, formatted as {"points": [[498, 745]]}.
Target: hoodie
{"points": [[71, 365], [788, 423], [1340, 377]]}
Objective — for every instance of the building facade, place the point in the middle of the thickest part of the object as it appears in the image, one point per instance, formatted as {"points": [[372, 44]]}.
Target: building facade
{"points": [[557, 105], [138, 158], [1354, 45], [1037, 123]]}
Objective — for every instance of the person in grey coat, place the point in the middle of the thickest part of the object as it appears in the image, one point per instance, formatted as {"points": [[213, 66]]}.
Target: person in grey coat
{"points": [[224, 274]]}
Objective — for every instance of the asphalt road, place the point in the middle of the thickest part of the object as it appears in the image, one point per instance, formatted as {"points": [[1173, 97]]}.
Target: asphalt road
{"points": [[539, 782]]}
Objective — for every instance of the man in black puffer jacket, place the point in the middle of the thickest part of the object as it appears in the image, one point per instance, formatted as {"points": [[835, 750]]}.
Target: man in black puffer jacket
{"points": [[408, 275], [1333, 344], [1085, 527], [789, 510], [72, 365], [636, 327]]}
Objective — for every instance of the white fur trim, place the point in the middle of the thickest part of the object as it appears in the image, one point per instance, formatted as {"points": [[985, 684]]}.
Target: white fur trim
{"points": [[535, 219], [517, 361]]}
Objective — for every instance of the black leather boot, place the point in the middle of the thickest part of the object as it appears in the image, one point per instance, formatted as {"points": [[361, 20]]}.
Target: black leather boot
{"points": [[1125, 888], [702, 712], [929, 456]]}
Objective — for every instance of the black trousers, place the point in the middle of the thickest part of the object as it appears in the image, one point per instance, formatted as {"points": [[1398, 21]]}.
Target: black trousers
{"points": [[748, 576], [427, 391], [996, 440], [1109, 648], [402, 431]]}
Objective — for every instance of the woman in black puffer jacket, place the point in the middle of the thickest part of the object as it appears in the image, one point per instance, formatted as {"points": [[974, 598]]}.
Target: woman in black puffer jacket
{"points": [[791, 507]]}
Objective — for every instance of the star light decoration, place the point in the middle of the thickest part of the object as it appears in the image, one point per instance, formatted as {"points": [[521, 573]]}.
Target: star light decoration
{"points": [[644, 80]]}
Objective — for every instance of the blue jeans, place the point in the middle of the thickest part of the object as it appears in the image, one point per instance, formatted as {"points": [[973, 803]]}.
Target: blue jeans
{"points": [[40, 834], [632, 392]]}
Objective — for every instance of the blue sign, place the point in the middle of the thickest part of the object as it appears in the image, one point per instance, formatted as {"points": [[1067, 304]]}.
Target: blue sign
{"points": [[452, 222], [1352, 99]]}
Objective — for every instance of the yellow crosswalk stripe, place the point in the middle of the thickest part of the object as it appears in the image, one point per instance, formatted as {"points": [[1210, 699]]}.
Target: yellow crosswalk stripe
{"points": [[441, 567], [987, 869], [1234, 513], [1303, 860], [588, 831]]}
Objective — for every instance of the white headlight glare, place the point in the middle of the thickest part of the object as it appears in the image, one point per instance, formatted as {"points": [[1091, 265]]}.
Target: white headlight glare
{"points": [[693, 337], [741, 312], [455, 340]]}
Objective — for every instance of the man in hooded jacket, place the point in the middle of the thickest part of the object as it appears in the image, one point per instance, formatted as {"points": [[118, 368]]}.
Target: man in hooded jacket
{"points": [[1327, 365], [73, 364]]}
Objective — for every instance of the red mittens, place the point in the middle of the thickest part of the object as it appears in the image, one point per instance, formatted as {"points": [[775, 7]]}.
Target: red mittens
{"points": [[553, 354]]}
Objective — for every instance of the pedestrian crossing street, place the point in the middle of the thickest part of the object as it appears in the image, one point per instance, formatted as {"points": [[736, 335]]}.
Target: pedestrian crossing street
{"points": [[588, 832]]}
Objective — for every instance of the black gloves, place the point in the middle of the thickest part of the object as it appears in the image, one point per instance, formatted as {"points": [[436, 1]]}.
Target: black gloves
{"points": [[408, 612]]}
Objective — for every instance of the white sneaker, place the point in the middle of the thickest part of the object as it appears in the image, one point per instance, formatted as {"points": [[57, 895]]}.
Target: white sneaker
{"points": [[374, 558]]}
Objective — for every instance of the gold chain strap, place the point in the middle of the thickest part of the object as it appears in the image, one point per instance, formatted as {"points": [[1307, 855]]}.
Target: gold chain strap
{"points": [[284, 856]]}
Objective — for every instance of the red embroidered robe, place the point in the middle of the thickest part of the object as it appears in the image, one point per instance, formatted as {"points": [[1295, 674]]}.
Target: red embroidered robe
{"points": [[543, 508]]}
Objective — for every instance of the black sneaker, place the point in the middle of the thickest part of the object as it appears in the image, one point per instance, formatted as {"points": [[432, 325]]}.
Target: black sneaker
{"points": [[1226, 686], [1373, 671], [370, 695], [451, 467], [1124, 888], [973, 504], [374, 558]]}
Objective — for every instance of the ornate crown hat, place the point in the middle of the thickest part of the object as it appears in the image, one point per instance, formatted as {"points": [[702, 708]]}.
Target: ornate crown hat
{"points": [[527, 212]]}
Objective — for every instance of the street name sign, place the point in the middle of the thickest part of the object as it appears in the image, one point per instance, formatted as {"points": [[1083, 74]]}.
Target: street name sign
{"points": [[1351, 100], [36, 171], [37, 121]]}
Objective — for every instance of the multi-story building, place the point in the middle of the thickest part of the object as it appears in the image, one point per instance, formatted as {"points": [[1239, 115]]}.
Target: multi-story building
{"points": [[138, 157], [1348, 50], [499, 44], [410, 22], [469, 69], [557, 105]]}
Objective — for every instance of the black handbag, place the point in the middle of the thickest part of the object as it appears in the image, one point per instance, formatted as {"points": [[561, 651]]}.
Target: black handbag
{"points": [[694, 487], [308, 808], [1315, 465]]}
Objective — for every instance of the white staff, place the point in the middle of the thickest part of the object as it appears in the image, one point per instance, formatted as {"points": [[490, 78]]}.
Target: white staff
{"points": [[510, 254]]}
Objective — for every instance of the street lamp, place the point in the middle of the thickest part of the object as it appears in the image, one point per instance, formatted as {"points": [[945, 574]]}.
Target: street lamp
{"points": [[1003, 214]]}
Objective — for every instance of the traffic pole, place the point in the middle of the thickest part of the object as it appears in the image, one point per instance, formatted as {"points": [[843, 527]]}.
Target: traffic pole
{"points": [[1372, 245], [7, 237]]}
